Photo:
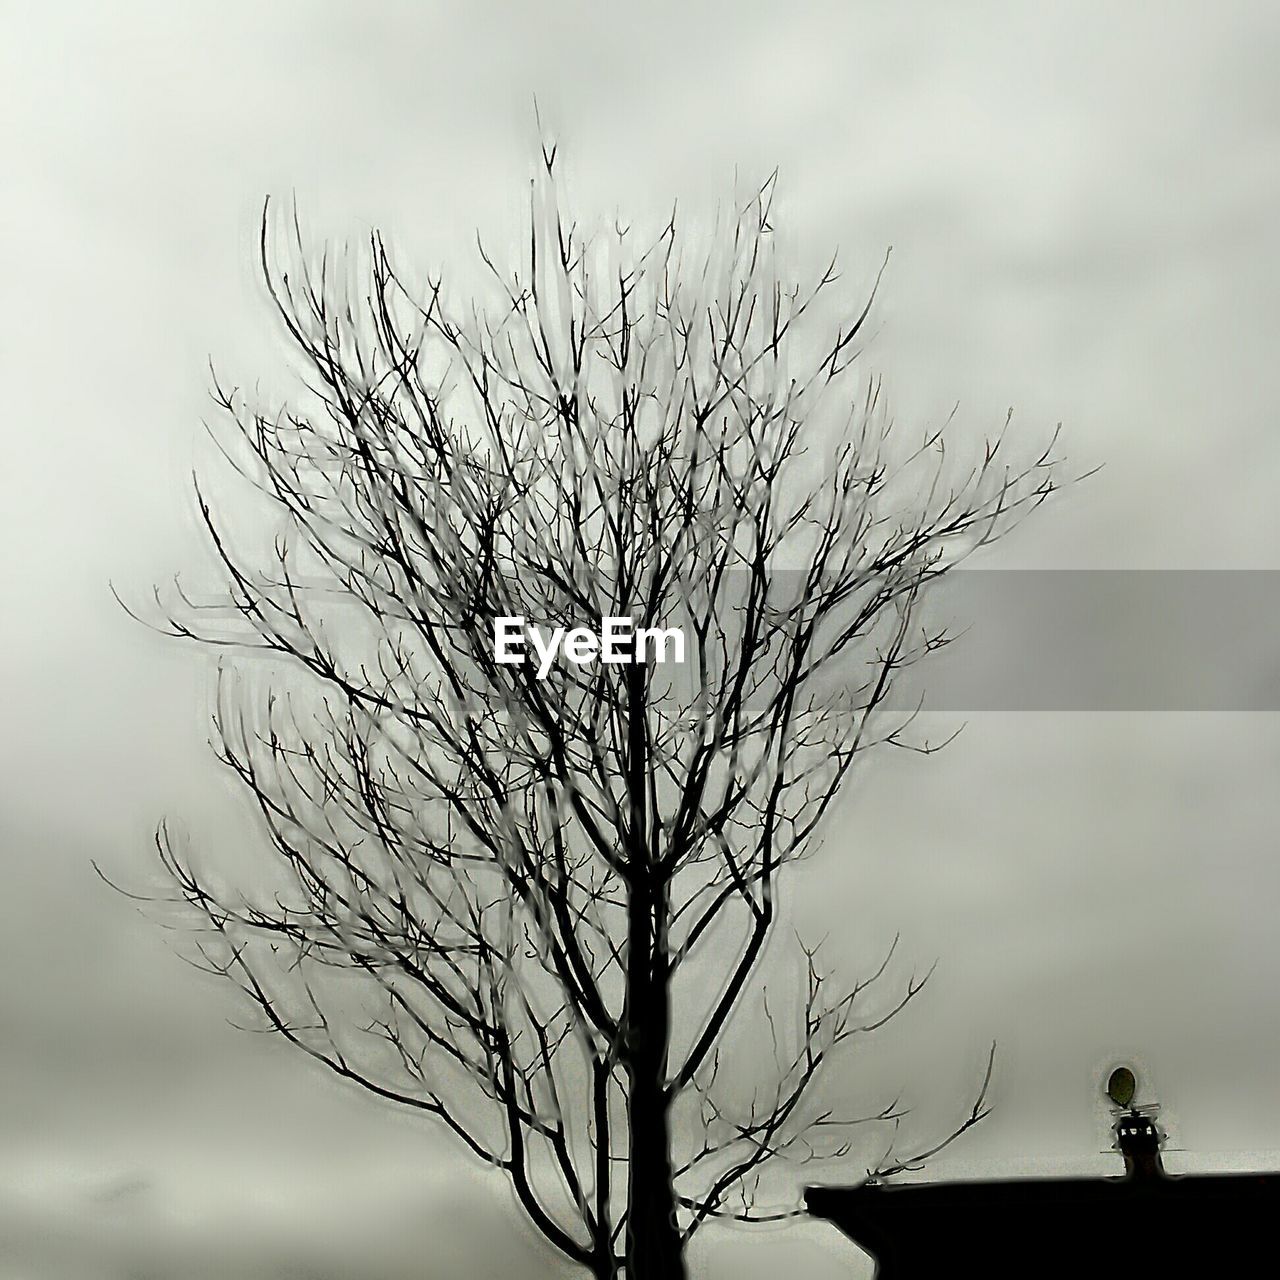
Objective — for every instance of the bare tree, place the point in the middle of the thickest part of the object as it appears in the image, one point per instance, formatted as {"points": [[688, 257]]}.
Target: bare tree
{"points": [[532, 906]]}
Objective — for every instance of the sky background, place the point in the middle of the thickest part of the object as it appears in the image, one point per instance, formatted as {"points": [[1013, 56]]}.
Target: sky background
{"points": [[1084, 204]]}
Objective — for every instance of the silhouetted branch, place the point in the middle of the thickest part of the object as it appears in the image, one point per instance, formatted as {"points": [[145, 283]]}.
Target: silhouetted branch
{"points": [[486, 889]]}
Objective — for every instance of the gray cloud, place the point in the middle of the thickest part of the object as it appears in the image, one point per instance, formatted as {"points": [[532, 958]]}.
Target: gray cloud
{"points": [[1083, 204]]}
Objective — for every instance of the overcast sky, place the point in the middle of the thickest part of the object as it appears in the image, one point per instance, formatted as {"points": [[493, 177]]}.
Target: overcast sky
{"points": [[1084, 204]]}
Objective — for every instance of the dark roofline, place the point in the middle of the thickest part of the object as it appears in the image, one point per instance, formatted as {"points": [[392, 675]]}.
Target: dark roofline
{"points": [[1215, 1224], [926, 1197]]}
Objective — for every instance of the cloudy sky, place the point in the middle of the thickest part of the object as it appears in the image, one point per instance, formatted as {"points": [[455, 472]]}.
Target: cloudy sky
{"points": [[1084, 204]]}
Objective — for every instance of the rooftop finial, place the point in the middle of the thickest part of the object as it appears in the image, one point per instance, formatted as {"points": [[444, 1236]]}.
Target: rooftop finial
{"points": [[1136, 1133], [1121, 1087]]}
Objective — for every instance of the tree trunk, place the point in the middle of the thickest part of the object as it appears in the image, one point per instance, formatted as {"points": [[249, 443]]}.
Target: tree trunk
{"points": [[653, 1247]]}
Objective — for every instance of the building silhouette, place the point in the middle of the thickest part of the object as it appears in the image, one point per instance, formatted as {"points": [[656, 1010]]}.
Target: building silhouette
{"points": [[1139, 1223]]}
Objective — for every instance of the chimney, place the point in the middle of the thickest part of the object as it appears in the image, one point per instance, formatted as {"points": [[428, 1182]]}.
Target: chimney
{"points": [[1139, 1142]]}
